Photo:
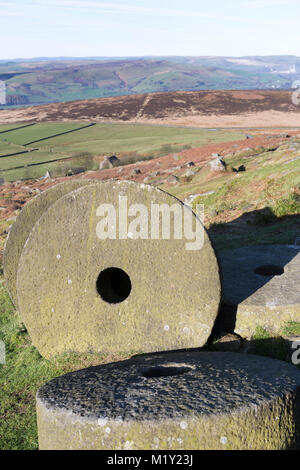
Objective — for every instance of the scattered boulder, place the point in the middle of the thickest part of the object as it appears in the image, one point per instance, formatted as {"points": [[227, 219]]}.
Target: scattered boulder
{"points": [[189, 173], [109, 162], [285, 136], [172, 179], [136, 171], [75, 171], [218, 164]]}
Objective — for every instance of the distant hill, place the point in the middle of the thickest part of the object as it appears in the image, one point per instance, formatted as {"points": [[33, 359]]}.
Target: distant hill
{"points": [[252, 108], [40, 81]]}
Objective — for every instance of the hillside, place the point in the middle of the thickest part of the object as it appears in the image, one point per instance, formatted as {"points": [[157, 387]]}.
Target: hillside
{"points": [[39, 81], [251, 108], [256, 199]]}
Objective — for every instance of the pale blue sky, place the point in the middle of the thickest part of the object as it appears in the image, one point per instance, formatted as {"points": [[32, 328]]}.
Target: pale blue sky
{"points": [[33, 28]]}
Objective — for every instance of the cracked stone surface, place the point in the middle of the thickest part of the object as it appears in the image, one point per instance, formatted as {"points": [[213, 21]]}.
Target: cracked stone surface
{"points": [[188, 400]]}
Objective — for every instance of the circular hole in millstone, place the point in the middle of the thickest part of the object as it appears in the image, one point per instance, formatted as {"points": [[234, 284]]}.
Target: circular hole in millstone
{"points": [[113, 285], [165, 371], [269, 270]]}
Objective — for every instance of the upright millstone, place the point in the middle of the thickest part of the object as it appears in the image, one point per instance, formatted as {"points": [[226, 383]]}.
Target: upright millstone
{"points": [[83, 290], [179, 401], [22, 227]]}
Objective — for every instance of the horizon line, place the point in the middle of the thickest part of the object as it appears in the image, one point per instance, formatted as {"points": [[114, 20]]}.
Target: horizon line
{"points": [[146, 56]]}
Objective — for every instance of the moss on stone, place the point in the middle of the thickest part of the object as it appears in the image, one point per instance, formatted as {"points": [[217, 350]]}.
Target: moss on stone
{"points": [[20, 230], [175, 292]]}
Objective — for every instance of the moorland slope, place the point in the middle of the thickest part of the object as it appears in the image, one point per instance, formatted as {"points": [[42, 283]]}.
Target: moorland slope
{"points": [[235, 108]]}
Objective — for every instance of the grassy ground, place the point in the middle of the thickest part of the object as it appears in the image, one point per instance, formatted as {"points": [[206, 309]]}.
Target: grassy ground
{"points": [[97, 140], [256, 206], [10, 127], [24, 372], [25, 135]]}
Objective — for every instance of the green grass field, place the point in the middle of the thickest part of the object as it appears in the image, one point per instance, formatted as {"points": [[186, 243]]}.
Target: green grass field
{"points": [[11, 127], [104, 139], [94, 141], [24, 372], [9, 148], [39, 131]]}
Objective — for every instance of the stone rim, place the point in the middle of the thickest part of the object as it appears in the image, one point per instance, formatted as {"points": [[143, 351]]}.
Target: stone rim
{"points": [[21, 228]]}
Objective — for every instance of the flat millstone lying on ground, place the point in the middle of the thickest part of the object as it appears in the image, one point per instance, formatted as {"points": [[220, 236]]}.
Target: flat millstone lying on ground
{"points": [[80, 293], [197, 400], [22, 227], [252, 282]]}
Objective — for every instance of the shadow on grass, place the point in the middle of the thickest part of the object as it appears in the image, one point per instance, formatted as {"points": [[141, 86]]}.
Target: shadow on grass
{"points": [[256, 227]]}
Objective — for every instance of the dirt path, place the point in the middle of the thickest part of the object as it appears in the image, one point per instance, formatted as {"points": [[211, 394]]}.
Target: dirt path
{"points": [[142, 109]]}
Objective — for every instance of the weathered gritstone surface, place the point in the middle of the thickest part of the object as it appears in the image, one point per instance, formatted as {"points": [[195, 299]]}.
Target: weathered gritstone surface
{"points": [[263, 282], [197, 400], [22, 227], [77, 292]]}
